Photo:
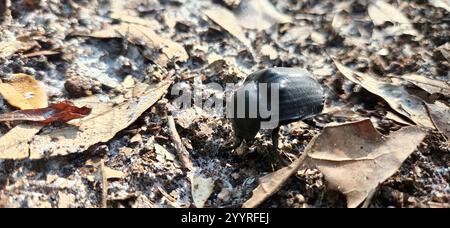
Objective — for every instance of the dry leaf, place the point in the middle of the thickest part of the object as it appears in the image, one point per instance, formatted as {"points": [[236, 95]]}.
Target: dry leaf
{"points": [[444, 4], [269, 51], [103, 124], [10, 48], [162, 155], [156, 48], [355, 158], [430, 85], [396, 118], [270, 184], [395, 95], [381, 12], [107, 32], [318, 38], [440, 114], [186, 117], [24, 92], [202, 188], [113, 174], [15, 143], [124, 17], [225, 19], [65, 200], [297, 35], [155, 44], [43, 53], [259, 14], [338, 22]]}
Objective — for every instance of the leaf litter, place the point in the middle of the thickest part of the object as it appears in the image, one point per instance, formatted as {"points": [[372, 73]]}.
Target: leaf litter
{"points": [[115, 46]]}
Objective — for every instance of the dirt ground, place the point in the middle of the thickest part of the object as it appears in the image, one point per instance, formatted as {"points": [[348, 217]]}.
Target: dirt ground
{"points": [[139, 166]]}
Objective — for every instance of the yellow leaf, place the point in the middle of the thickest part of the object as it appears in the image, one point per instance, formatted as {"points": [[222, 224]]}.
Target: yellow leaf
{"points": [[24, 92]]}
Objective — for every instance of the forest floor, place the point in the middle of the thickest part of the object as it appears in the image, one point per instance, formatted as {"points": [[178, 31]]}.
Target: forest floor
{"points": [[386, 61]]}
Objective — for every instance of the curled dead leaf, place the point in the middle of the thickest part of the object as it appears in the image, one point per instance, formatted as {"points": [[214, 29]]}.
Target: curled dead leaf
{"points": [[395, 95], [60, 112], [101, 125], [355, 158]]}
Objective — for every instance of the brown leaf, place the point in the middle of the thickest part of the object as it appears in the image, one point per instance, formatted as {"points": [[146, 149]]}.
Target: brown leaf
{"points": [[125, 17], [156, 48], [297, 35], [101, 126], [355, 158], [113, 174], [60, 112], [162, 155], [107, 32], [269, 51], [430, 85], [105, 121], [259, 14], [65, 200], [381, 12], [24, 92], [9, 48], [271, 183], [395, 95], [397, 118], [440, 114], [202, 188], [225, 19], [171, 51], [15, 143]]}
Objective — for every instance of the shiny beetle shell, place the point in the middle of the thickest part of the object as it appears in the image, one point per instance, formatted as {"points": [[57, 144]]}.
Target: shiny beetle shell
{"points": [[301, 97]]}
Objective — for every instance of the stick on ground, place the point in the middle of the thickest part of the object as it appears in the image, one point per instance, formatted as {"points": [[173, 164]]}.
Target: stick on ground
{"points": [[183, 154]]}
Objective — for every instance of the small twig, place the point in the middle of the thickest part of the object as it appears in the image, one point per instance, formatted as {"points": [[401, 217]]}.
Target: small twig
{"points": [[183, 154], [104, 184], [165, 194]]}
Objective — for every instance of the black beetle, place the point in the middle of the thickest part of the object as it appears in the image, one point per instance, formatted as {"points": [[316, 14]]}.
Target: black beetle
{"points": [[300, 97]]}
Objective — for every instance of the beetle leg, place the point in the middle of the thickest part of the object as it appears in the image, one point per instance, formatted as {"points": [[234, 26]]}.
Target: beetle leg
{"points": [[275, 135], [310, 122], [237, 143]]}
